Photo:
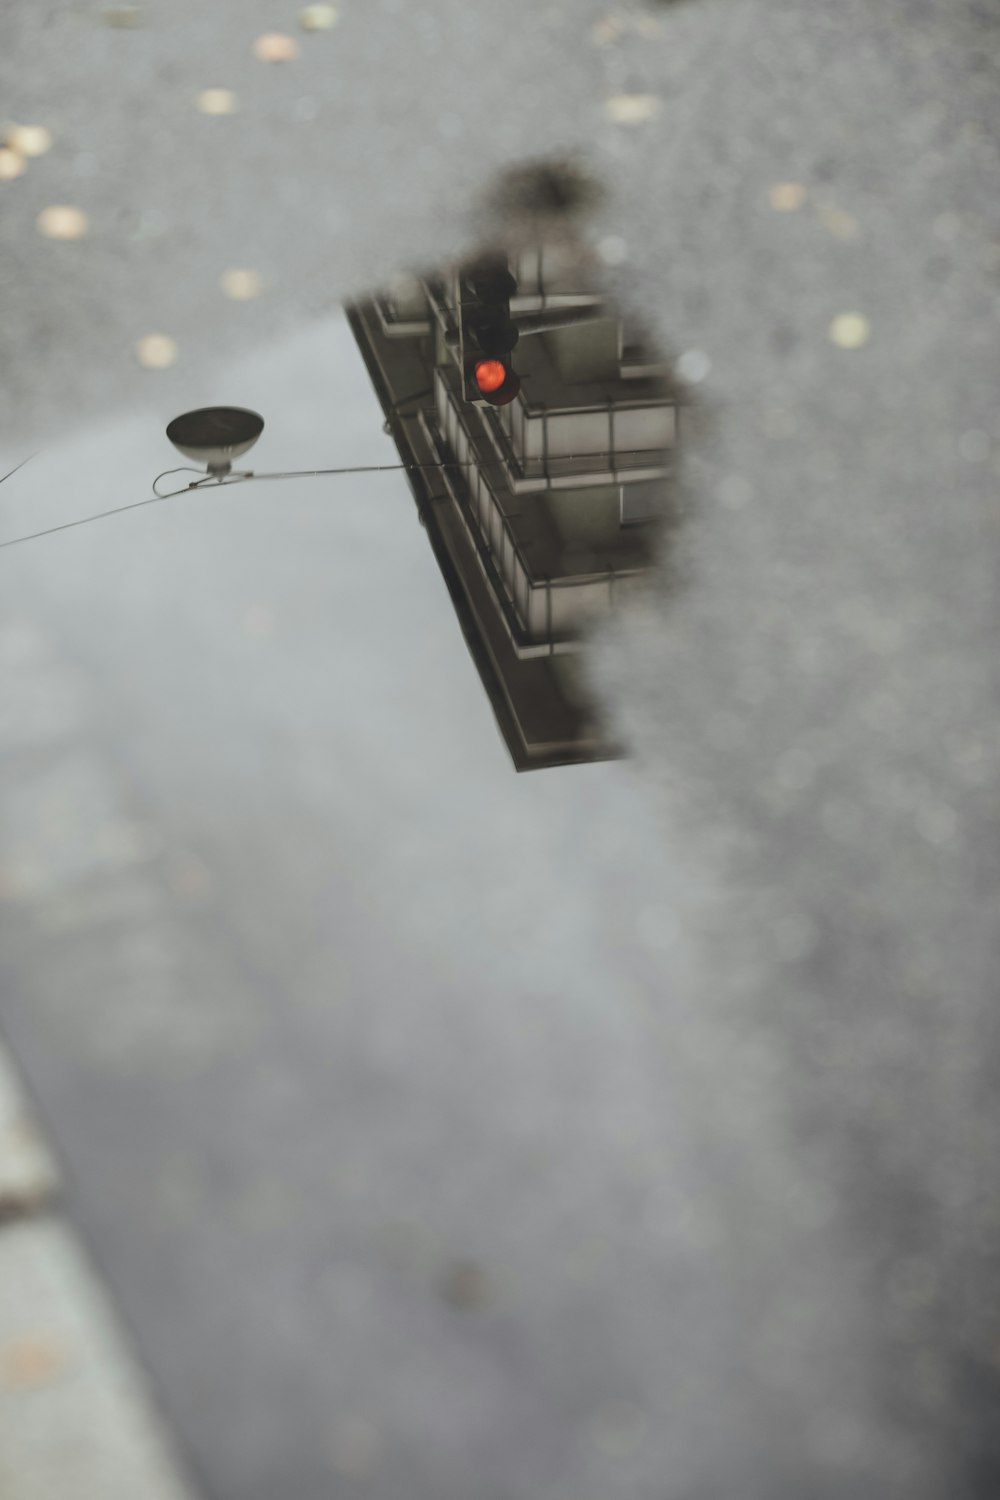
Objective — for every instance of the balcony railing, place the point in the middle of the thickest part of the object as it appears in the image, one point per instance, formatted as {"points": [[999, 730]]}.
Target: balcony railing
{"points": [[543, 615]]}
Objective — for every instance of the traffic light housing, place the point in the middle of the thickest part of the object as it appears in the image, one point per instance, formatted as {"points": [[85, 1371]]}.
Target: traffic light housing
{"points": [[487, 333]]}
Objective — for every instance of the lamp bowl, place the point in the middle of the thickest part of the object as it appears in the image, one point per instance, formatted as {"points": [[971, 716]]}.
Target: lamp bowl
{"points": [[215, 435]]}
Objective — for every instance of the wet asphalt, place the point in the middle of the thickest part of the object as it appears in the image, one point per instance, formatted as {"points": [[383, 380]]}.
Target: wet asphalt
{"points": [[627, 1129]]}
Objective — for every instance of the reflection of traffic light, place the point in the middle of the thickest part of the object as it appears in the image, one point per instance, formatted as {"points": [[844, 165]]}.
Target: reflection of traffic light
{"points": [[488, 334]]}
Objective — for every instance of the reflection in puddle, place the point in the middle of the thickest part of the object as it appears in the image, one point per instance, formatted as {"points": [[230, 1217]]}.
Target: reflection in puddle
{"points": [[538, 431]]}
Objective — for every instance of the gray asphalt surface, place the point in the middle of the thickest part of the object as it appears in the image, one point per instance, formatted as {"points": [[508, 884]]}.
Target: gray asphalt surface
{"points": [[623, 1130]]}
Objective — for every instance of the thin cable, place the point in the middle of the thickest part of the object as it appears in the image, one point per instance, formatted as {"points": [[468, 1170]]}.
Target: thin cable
{"points": [[118, 510], [18, 466], [84, 520], [362, 469], [184, 469], [221, 481], [241, 475]]}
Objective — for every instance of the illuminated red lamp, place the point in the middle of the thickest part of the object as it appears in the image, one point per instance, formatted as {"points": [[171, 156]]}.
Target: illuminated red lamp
{"points": [[495, 381], [490, 375]]}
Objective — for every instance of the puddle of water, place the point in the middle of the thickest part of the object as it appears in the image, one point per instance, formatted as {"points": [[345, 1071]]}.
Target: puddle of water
{"points": [[537, 427]]}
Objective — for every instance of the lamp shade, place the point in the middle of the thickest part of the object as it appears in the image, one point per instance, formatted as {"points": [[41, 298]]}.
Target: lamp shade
{"points": [[215, 435]]}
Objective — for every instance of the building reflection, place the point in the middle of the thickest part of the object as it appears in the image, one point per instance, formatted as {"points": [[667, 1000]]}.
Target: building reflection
{"points": [[542, 506]]}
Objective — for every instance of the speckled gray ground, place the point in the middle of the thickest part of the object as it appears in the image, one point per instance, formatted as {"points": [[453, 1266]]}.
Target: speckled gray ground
{"points": [[27, 1173], [625, 1131], [75, 1416]]}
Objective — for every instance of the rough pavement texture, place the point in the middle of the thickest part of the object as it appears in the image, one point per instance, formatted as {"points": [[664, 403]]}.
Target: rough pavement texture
{"points": [[74, 1418], [811, 691], [27, 1172]]}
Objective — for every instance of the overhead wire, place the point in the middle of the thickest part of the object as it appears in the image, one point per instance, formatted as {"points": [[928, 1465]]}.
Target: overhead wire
{"points": [[206, 481], [222, 481]]}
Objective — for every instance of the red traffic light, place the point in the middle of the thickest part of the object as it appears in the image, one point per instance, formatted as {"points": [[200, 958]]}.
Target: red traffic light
{"points": [[491, 382], [490, 375]]}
